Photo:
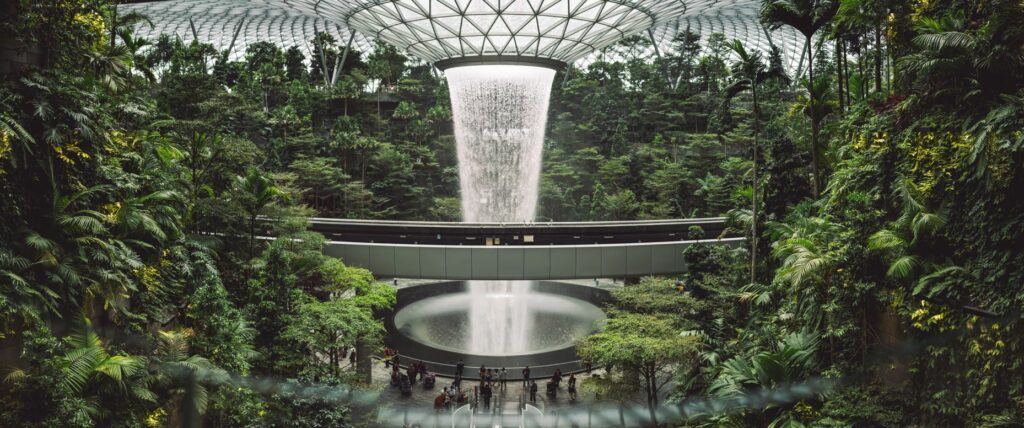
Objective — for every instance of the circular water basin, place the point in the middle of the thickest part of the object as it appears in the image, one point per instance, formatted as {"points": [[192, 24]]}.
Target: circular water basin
{"points": [[497, 324], [546, 321]]}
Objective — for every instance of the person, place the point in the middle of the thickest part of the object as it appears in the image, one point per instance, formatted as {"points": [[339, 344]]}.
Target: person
{"points": [[428, 380], [572, 387], [396, 360], [526, 376], [557, 378], [489, 378], [503, 377], [453, 393], [483, 372], [411, 371], [352, 357], [405, 386], [439, 401], [459, 367], [589, 365], [486, 393], [533, 392]]}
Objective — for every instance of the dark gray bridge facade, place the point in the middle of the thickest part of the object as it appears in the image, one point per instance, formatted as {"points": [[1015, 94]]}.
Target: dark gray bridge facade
{"points": [[463, 262], [543, 251]]}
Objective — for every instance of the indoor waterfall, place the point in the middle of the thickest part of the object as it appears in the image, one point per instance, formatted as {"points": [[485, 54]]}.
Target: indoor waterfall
{"points": [[500, 114]]}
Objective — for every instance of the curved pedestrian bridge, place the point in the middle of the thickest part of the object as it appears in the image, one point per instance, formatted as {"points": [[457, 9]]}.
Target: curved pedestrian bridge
{"points": [[520, 251]]}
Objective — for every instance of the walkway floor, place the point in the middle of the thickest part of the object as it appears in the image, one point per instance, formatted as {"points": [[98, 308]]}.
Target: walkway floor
{"points": [[417, 410]]}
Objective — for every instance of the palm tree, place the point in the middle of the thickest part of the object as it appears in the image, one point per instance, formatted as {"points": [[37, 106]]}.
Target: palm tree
{"points": [[122, 27], [89, 369], [185, 375], [256, 191], [787, 364], [818, 103], [134, 48], [11, 131], [22, 294], [906, 236], [807, 17], [749, 71], [946, 59], [151, 216], [808, 260]]}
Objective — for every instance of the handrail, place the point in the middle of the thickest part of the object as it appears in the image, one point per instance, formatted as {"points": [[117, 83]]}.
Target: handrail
{"points": [[399, 223], [711, 241], [526, 408], [456, 411], [438, 373]]}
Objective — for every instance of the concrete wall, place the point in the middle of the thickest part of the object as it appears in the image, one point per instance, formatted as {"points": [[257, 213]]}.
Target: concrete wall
{"points": [[517, 262]]}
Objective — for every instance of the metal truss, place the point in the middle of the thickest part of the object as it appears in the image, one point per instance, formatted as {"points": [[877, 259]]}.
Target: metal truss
{"points": [[565, 31]]}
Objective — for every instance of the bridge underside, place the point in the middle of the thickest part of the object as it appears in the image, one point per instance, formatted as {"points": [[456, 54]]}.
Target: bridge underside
{"points": [[459, 262]]}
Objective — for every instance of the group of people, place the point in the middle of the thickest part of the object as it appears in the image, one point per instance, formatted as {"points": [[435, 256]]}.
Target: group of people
{"points": [[491, 381], [450, 396], [414, 371], [553, 385]]}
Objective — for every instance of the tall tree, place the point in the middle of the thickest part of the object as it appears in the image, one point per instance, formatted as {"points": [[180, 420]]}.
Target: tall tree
{"points": [[807, 17], [255, 191], [749, 71], [649, 344]]}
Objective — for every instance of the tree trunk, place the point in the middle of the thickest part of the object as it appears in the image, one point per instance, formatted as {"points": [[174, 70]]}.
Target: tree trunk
{"points": [[878, 57], [815, 162], [846, 73], [364, 363], [252, 236], [652, 393], [863, 79], [753, 189], [839, 73]]}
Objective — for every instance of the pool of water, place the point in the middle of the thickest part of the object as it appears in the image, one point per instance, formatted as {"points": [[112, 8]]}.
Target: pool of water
{"points": [[453, 321]]}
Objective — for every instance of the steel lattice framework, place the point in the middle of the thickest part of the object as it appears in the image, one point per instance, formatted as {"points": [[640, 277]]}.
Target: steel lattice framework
{"points": [[736, 19], [238, 24], [438, 30], [564, 31]]}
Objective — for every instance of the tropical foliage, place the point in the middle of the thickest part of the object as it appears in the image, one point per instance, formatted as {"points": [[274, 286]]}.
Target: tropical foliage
{"points": [[877, 184]]}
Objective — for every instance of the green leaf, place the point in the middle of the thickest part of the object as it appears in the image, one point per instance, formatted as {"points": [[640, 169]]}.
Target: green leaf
{"points": [[902, 267]]}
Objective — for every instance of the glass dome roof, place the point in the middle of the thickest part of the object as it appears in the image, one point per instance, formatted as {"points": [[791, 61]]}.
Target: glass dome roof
{"points": [[736, 19], [562, 30], [218, 21], [438, 30]]}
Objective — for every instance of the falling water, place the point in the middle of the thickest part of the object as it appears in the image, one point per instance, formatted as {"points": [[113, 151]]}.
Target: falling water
{"points": [[500, 113]]}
